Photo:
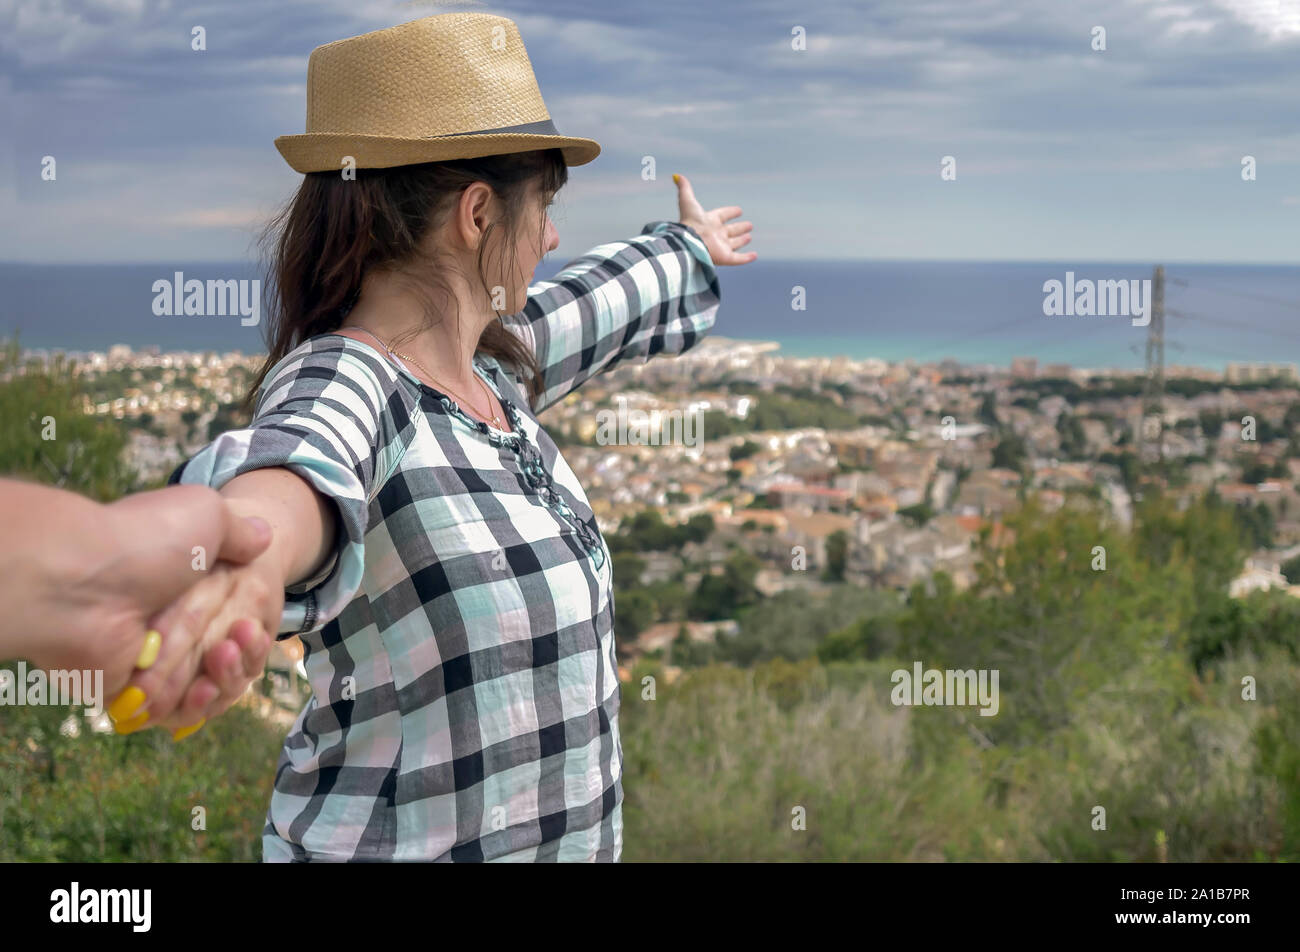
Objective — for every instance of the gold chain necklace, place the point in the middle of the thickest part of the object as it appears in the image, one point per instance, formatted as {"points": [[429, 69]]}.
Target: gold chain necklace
{"points": [[496, 418]]}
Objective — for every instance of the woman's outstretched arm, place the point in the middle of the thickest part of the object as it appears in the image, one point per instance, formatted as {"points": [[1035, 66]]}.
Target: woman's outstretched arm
{"points": [[626, 301]]}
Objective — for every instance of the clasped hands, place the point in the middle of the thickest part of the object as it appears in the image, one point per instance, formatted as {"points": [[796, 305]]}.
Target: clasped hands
{"points": [[171, 593]]}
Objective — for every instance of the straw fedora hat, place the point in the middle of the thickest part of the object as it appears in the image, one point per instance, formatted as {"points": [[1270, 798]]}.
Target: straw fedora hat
{"points": [[452, 86]]}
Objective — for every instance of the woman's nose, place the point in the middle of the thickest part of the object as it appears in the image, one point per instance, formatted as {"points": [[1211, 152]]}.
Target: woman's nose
{"points": [[552, 235]]}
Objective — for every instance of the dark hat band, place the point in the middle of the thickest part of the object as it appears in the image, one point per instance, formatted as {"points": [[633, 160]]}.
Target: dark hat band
{"points": [[543, 128]]}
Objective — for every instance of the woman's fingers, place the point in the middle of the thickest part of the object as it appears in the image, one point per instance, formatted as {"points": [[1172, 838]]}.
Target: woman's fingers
{"points": [[230, 668], [255, 648], [154, 691], [191, 714], [226, 666], [687, 205], [248, 647], [186, 706], [728, 254], [721, 235]]}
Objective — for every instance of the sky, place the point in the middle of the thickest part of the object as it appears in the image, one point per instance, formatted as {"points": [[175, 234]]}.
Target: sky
{"points": [[1062, 152]]}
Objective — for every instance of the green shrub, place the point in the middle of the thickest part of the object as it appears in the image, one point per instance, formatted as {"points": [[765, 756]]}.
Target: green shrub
{"points": [[107, 798]]}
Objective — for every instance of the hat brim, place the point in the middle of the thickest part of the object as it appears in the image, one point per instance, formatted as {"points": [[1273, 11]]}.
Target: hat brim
{"points": [[326, 151]]}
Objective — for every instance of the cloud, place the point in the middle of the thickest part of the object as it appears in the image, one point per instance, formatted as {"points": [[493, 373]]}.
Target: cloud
{"points": [[1276, 19], [178, 143]]}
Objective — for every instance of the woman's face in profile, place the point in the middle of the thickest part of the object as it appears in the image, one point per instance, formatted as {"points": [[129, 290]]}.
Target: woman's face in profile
{"points": [[531, 245]]}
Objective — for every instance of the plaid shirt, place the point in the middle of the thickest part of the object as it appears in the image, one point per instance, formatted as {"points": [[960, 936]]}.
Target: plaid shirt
{"points": [[460, 642]]}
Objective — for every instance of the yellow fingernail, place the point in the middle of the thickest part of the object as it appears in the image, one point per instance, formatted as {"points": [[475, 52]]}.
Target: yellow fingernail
{"points": [[126, 704], [185, 732], [149, 653], [677, 179], [131, 726]]}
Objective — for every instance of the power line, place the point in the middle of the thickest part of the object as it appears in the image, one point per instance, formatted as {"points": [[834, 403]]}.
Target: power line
{"points": [[1055, 330], [1229, 322], [1199, 285], [1192, 348], [982, 332]]}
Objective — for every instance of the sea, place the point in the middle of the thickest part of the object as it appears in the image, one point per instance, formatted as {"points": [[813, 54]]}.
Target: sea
{"points": [[970, 312]]}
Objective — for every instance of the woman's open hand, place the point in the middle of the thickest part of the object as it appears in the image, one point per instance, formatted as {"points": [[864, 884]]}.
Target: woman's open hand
{"points": [[722, 239]]}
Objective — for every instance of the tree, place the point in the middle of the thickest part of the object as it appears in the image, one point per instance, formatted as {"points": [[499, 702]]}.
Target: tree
{"points": [[837, 551], [1291, 420], [1207, 535], [1258, 524], [628, 568], [1074, 445], [1211, 424], [868, 638], [988, 412], [1129, 469], [1237, 626], [697, 528], [634, 612], [720, 596], [919, 514], [1058, 630], [47, 437], [1010, 453], [1256, 472], [231, 416], [647, 532], [796, 625], [687, 653], [743, 450]]}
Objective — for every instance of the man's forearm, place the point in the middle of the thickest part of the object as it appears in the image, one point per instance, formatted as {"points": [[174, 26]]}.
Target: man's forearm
{"points": [[38, 568]]}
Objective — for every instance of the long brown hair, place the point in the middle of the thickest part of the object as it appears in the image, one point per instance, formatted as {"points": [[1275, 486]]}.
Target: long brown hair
{"points": [[334, 231]]}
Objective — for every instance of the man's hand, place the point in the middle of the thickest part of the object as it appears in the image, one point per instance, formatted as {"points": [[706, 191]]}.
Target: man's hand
{"points": [[231, 603], [86, 581], [720, 238]]}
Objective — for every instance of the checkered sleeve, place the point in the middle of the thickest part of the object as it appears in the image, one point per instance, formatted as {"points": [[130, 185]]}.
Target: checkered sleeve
{"points": [[623, 301], [336, 414]]}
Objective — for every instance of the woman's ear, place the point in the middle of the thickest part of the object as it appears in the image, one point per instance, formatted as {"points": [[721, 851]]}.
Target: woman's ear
{"points": [[472, 215]]}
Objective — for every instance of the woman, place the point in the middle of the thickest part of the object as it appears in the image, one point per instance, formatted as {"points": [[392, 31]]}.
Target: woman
{"points": [[431, 546]]}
